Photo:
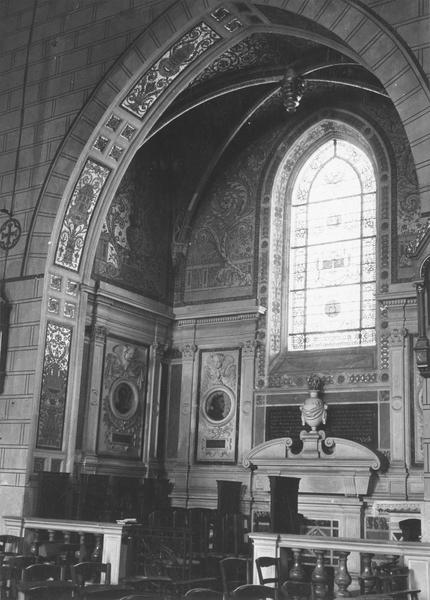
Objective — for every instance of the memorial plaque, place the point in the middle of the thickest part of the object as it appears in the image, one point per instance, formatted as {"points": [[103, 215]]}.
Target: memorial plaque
{"points": [[356, 422]]}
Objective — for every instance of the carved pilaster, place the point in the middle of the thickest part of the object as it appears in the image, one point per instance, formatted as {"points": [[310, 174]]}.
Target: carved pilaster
{"points": [[188, 351], [152, 417], [399, 394], [249, 348], [98, 340]]}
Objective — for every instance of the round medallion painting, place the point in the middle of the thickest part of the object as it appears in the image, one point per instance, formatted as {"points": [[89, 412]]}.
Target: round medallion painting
{"points": [[218, 406], [123, 399]]}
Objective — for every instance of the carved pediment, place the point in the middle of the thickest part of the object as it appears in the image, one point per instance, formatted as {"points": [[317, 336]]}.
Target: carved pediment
{"points": [[324, 466]]}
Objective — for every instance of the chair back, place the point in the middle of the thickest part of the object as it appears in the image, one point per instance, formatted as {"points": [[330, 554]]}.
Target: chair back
{"points": [[90, 572], [234, 572], [271, 563], [50, 590], [203, 594], [253, 592], [40, 572]]}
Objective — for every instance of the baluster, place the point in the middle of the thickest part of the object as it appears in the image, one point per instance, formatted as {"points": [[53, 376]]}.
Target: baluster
{"points": [[320, 577], [66, 535], [51, 535], [367, 577], [82, 547], [34, 546], [297, 572], [342, 578], [67, 554], [98, 548]]}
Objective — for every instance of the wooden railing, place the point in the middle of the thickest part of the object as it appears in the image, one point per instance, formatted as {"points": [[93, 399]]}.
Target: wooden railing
{"points": [[106, 543], [353, 557]]}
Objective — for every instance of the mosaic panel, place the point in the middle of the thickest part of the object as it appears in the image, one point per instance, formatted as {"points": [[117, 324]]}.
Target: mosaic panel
{"points": [[55, 282], [53, 305], [54, 386], [158, 78], [78, 215]]}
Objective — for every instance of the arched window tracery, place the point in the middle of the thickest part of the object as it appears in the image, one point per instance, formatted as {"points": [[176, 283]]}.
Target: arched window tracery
{"points": [[332, 249], [370, 183]]}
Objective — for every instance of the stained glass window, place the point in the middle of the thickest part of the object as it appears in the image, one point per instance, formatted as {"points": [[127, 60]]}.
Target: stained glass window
{"points": [[332, 255]]}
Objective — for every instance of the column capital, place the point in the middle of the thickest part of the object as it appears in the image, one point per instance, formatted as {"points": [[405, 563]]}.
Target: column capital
{"points": [[397, 336], [97, 333], [188, 351], [159, 349], [248, 348]]}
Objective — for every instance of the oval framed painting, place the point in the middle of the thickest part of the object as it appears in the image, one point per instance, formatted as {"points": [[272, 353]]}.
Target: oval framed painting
{"points": [[124, 399], [218, 405]]}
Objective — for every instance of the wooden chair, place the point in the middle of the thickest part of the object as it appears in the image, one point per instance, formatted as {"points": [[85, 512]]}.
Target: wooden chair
{"points": [[203, 594], [7, 581], [41, 572], [267, 562], [253, 592], [11, 572], [10, 545], [48, 590], [235, 571], [87, 578], [43, 580]]}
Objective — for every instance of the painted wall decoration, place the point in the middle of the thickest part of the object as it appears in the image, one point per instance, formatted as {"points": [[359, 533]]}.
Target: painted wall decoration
{"points": [[122, 412], [78, 215], [407, 223], [218, 406], [158, 78], [258, 49], [54, 386], [133, 250], [220, 260]]}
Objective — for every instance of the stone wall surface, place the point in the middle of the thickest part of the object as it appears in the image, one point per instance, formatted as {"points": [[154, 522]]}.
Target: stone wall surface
{"points": [[17, 400]]}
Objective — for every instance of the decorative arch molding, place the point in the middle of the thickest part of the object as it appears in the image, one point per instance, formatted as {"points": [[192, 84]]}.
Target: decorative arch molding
{"points": [[380, 48], [292, 149]]}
